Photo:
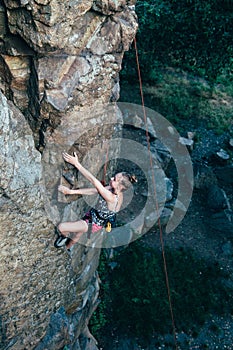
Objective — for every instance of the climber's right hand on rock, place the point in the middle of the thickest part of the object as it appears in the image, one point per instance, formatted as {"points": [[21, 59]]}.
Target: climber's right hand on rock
{"points": [[71, 159]]}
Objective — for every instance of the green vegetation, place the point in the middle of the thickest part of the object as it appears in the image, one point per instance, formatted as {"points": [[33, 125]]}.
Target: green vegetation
{"points": [[99, 317], [181, 97], [194, 35], [136, 295], [185, 53]]}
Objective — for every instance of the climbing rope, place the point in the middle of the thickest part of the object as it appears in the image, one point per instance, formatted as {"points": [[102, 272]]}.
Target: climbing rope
{"points": [[103, 181], [155, 196]]}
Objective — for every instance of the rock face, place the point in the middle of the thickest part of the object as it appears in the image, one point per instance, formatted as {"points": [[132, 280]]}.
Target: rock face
{"points": [[58, 58], [62, 54]]}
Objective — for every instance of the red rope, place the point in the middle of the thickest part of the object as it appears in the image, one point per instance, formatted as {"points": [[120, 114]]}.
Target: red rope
{"points": [[155, 195], [105, 167]]}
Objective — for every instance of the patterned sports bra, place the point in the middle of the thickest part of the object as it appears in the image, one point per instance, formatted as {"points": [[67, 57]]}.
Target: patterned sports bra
{"points": [[100, 215]]}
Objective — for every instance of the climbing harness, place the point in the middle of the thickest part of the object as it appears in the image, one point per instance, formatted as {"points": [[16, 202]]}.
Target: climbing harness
{"points": [[101, 216], [155, 196], [105, 165]]}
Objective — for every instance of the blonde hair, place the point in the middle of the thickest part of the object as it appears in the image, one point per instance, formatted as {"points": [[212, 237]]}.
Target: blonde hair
{"points": [[128, 180]]}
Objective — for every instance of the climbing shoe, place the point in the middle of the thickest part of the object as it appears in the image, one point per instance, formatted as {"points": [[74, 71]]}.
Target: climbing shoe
{"points": [[60, 241], [57, 231]]}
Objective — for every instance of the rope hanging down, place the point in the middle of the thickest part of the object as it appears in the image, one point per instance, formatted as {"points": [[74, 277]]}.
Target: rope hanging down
{"points": [[155, 195], [103, 181]]}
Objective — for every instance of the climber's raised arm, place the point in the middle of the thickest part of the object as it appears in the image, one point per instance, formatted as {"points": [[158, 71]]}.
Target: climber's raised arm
{"points": [[103, 191]]}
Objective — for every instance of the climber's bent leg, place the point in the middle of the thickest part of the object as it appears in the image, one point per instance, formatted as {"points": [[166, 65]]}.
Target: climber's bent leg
{"points": [[70, 233], [75, 227]]}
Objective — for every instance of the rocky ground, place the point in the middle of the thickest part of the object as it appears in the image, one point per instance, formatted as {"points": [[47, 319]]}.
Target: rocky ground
{"points": [[204, 229]]}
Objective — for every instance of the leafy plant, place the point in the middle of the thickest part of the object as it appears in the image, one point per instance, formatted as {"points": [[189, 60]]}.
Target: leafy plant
{"points": [[180, 96], [99, 317], [192, 34]]}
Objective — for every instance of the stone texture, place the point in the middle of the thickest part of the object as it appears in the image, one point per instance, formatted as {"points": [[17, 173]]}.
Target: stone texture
{"points": [[2, 22], [20, 162], [18, 66], [80, 54], [111, 6], [59, 26], [59, 60], [46, 25], [58, 78], [38, 282]]}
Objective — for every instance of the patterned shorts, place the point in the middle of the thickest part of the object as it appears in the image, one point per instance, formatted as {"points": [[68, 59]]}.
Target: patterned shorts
{"points": [[95, 227]]}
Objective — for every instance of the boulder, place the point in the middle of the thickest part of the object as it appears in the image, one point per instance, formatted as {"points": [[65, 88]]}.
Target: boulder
{"points": [[186, 142], [223, 222], [220, 158], [224, 174], [204, 177], [217, 199]]}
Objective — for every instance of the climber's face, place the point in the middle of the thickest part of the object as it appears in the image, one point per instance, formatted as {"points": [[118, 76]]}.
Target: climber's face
{"points": [[115, 181]]}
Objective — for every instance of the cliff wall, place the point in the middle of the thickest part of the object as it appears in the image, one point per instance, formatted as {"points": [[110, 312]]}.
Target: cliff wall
{"points": [[59, 62]]}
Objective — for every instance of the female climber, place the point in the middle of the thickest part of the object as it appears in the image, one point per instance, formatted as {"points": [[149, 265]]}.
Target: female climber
{"points": [[109, 203]]}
